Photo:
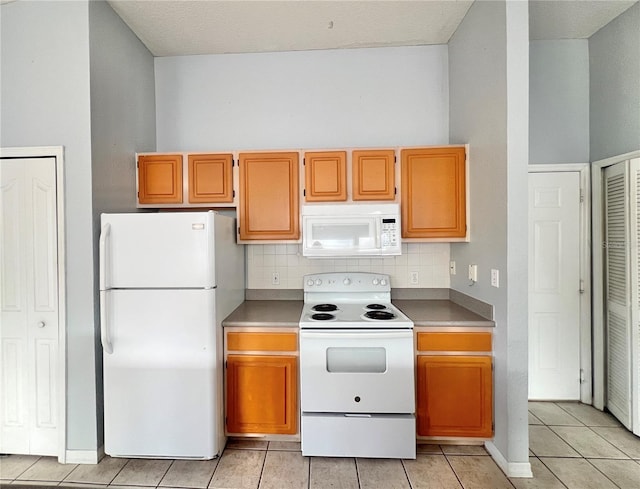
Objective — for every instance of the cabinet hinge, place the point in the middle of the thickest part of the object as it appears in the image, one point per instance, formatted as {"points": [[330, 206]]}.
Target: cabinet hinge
{"points": [[226, 364], [304, 161], [238, 231], [304, 192], [234, 193], [233, 162], [395, 191], [137, 163], [395, 159]]}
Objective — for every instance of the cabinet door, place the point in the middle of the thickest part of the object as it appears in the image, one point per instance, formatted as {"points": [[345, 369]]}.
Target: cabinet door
{"points": [[160, 179], [433, 193], [210, 178], [269, 190], [325, 176], [373, 174], [262, 394], [454, 396]]}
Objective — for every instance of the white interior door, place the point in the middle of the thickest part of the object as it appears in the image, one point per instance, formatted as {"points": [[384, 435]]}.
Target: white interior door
{"points": [[29, 307], [554, 286], [617, 291]]}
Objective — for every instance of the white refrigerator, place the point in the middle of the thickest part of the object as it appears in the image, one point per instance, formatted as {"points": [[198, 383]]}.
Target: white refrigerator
{"points": [[167, 280]]}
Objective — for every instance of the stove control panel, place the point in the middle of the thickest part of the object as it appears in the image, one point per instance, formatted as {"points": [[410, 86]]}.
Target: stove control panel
{"points": [[347, 282]]}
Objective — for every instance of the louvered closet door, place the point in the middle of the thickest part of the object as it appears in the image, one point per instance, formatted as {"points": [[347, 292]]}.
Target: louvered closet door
{"points": [[634, 240], [617, 295]]}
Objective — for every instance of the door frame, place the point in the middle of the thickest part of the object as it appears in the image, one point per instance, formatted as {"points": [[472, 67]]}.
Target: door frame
{"points": [[586, 359], [56, 152], [599, 350]]}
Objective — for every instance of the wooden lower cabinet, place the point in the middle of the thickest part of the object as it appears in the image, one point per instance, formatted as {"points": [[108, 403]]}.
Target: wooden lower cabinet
{"points": [[262, 394], [261, 382], [454, 396]]}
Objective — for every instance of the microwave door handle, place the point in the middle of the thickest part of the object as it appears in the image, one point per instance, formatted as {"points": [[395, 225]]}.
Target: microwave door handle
{"points": [[378, 231]]}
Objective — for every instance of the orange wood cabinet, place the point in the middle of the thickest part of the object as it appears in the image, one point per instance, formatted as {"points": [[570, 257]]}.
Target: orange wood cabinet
{"points": [[454, 391], [160, 179], [373, 174], [325, 176], [433, 192], [210, 178], [269, 196], [261, 383]]}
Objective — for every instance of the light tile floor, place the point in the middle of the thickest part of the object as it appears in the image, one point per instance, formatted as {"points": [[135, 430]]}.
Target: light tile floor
{"points": [[571, 446]]}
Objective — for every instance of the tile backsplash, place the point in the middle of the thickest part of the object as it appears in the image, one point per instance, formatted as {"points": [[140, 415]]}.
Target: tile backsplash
{"points": [[429, 260]]}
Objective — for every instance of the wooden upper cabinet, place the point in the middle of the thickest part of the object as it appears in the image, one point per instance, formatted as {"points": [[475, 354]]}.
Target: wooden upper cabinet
{"points": [[325, 176], [210, 178], [373, 174], [160, 179], [269, 196], [433, 194]]}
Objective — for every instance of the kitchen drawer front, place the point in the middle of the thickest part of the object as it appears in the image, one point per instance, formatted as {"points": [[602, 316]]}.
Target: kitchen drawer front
{"points": [[439, 341], [263, 341]]}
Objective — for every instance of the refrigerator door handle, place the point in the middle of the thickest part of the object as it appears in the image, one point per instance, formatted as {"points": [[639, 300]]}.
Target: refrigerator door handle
{"points": [[104, 323], [105, 233]]}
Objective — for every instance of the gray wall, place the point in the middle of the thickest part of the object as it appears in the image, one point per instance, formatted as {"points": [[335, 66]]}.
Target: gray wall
{"points": [[489, 110], [122, 123], [614, 60], [45, 102], [559, 101], [303, 99], [87, 83]]}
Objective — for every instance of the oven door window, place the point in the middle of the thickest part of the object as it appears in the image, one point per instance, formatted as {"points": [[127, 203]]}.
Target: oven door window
{"points": [[356, 360]]}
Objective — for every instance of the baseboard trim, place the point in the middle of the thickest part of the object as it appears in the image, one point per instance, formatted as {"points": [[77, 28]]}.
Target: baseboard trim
{"points": [[511, 469], [84, 456]]}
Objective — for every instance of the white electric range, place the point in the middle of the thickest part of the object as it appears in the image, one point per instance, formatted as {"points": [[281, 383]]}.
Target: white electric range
{"points": [[357, 391]]}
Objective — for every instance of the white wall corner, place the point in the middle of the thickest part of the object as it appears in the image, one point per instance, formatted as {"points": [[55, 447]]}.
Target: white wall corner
{"points": [[84, 456], [511, 469]]}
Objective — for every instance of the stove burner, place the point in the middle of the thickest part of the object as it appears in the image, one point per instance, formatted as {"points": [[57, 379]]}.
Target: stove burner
{"points": [[322, 316], [379, 315], [324, 307], [376, 306]]}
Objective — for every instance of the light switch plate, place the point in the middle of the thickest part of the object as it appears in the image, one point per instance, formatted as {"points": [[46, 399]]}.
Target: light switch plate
{"points": [[495, 278], [473, 273]]}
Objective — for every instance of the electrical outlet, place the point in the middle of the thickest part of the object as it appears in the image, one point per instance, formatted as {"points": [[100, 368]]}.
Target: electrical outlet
{"points": [[452, 267], [473, 273], [275, 278], [414, 278], [495, 278]]}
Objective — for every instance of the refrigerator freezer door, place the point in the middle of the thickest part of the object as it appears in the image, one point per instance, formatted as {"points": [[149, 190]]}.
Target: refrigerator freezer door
{"points": [[161, 250], [160, 395]]}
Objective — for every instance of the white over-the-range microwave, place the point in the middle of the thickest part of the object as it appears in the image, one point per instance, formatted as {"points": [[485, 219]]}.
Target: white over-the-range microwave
{"points": [[350, 230]]}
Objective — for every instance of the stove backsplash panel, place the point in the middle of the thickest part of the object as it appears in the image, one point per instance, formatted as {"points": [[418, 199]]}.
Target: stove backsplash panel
{"points": [[429, 260]]}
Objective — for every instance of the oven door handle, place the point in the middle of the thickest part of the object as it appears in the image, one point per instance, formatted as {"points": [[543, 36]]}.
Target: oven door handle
{"points": [[362, 335]]}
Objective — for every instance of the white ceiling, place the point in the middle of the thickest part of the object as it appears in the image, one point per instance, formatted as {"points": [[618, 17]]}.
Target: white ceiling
{"points": [[174, 28]]}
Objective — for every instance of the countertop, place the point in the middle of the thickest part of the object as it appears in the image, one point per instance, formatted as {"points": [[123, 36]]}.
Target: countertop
{"points": [[265, 314], [286, 313], [440, 313]]}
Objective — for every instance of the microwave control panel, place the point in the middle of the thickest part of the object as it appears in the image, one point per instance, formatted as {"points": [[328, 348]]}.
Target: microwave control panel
{"points": [[389, 233]]}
